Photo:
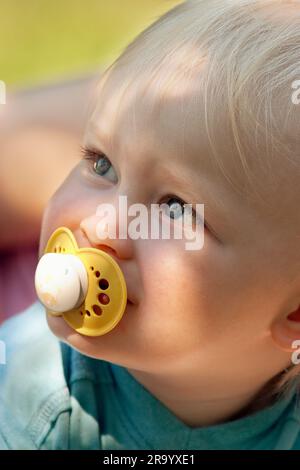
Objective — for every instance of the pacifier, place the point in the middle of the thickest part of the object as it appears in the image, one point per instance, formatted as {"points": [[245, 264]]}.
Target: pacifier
{"points": [[83, 285]]}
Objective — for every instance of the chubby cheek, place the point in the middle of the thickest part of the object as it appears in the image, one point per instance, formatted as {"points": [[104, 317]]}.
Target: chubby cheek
{"points": [[194, 304], [70, 204], [176, 309]]}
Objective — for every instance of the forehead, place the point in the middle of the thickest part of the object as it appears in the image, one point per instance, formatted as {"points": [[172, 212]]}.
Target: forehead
{"points": [[155, 122], [138, 116]]}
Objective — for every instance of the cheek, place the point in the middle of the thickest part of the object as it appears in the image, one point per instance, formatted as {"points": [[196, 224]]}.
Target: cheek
{"points": [[70, 204], [198, 298], [176, 301]]}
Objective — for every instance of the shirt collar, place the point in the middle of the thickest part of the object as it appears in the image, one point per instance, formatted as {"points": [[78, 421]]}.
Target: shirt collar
{"points": [[161, 429]]}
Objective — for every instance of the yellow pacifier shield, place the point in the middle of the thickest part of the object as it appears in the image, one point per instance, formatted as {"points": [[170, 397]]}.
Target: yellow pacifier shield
{"points": [[106, 297]]}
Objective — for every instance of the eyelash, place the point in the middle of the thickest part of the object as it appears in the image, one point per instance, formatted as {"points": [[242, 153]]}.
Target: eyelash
{"points": [[94, 155], [91, 154]]}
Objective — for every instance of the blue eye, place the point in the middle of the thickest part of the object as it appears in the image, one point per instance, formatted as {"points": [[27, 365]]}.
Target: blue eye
{"points": [[176, 208], [103, 167], [101, 164]]}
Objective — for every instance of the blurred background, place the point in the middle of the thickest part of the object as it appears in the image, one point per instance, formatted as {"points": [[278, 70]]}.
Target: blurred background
{"points": [[51, 56], [43, 40]]}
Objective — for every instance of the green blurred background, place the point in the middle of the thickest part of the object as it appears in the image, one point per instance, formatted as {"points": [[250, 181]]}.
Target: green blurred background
{"points": [[46, 40]]}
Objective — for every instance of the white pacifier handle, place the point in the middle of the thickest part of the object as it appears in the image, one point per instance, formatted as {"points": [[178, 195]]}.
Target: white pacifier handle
{"points": [[61, 282]]}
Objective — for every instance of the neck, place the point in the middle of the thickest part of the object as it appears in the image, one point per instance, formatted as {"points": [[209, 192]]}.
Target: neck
{"points": [[196, 403]]}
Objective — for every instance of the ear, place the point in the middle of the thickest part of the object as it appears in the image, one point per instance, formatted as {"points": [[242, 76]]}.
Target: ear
{"points": [[286, 330]]}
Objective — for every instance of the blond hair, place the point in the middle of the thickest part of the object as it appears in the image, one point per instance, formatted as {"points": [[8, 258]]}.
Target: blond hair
{"points": [[245, 54]]}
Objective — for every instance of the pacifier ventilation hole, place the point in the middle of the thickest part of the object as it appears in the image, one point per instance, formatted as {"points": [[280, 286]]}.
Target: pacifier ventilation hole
{"points": [[59, 249], [103, 299], [103, 284], [97, 310]]}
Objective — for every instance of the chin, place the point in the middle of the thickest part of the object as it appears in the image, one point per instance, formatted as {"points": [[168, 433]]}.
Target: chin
{"points": [[111, 347]]}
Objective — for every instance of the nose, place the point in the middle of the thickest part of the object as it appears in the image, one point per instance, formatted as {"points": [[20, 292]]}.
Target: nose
{"points": [[104, 236]]}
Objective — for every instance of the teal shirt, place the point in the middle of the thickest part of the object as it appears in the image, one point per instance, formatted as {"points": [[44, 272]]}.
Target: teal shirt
{"points": [[53, 397]]}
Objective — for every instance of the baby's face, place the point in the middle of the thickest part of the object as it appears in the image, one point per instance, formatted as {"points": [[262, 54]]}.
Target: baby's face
{"points": [[202, 312]]}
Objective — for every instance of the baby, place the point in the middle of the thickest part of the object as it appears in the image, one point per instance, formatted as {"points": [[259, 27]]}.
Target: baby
{"points": [[201, 108]]}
